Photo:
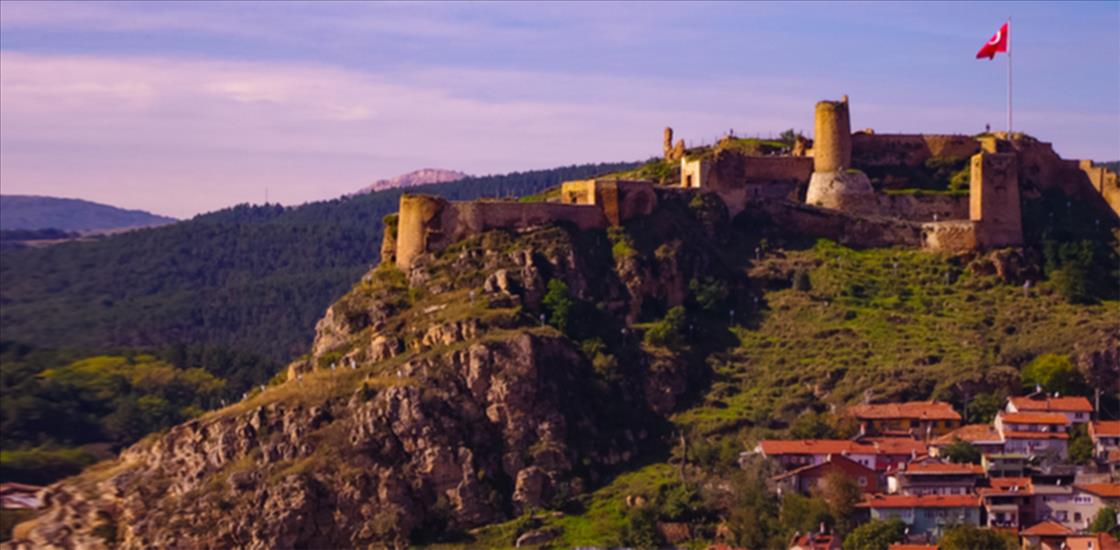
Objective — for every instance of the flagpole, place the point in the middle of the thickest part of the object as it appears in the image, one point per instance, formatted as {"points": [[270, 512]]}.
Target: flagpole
{"points": [[1009, 77]]}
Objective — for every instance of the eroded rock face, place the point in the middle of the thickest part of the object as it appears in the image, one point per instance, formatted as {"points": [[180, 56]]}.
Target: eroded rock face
{"points": [[406, 419]]}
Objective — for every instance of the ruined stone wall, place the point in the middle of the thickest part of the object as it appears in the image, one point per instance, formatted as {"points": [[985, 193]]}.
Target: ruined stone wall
{"points": [[924, 207], [832, 139], [911, 150], [430, 224], [620, 200], [694, 172], [763, 170], [1104, 182], [842, 227], [951, 236], [994, 200]]}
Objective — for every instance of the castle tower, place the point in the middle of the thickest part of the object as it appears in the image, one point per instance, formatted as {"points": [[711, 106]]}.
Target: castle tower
{"points": [[418, 219], [834, 184], [994, 199], [832, 137]]}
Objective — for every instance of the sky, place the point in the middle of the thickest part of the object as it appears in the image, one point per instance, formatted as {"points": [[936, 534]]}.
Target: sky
{"points": [[183, 108]]}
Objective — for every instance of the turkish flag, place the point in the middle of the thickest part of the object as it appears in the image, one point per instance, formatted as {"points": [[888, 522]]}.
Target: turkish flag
{"points": [[998, 43]]}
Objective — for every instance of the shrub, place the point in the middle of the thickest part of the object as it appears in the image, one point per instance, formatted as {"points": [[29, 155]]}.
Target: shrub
{"points": [[962, 452], [710, 295], [1105, 522], [811, 425], [669, 331], [875, 535], [559, 304], [1080, 445], [970, 537]]}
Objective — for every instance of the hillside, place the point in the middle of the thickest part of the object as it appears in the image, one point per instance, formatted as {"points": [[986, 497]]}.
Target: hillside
{"points": [[412, 179], [251, 278], [35, 212], [531, 383]]}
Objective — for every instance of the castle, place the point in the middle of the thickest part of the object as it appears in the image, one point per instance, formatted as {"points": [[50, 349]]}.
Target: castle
{"points": [[815, 188]]}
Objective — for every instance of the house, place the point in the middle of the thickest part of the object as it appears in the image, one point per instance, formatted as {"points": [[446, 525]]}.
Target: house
{"points": [[1096, 541], [1004, 464], [892, 452], [982, 436], [1106, 437], [1034, 433], [934, 478], [1073, 506], [925, 514], [815, 541], [1005, 500], [811, 477], [1045, 535], [1077, 410], [795, 453], [923, 419]]}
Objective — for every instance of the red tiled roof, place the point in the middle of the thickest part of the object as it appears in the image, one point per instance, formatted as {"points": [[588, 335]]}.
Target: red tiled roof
{"points": [[1035, 435], [1048, 528], [828, 460], [920, 501], [815, 541], [813, 447], [971, 433], [897, 445], [1105, 428], [914, 410], [942, 468], [1034, 418], [1058, 404], [1113, 456], [1107, 490], [1008, 486], [1098, 541]]}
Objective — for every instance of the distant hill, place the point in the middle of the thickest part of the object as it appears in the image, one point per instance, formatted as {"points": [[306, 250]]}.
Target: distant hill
{"points": [[1113, 165], [423, 176], [253, 279], [36, 212]]}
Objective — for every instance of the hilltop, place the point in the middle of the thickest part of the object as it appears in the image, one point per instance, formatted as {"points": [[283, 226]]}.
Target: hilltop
{"points": [[556, 369], [423, 176], [33, 212]]}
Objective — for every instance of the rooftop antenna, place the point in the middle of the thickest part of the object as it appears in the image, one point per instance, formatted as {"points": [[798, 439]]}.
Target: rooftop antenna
{"points": [[266, 195]]}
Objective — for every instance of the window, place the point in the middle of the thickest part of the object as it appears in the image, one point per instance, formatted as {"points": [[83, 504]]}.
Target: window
{"points": [[1082, 499], [1077, 516], [1062, 515]]}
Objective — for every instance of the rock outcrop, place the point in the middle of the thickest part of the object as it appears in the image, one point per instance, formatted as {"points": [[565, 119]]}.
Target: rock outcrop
{"points": [[431, 402]]}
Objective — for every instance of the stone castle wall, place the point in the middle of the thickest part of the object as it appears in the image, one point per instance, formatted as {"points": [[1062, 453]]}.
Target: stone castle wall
{"points": [[911, 150], [951, 236], [924, 207], [620, 200], [994, 200], [430, 224], [842, 227]]}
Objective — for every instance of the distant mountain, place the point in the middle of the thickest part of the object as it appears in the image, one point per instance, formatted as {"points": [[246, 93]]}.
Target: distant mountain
{"points": [[36, 212], [1113, 165], [423, 176]]}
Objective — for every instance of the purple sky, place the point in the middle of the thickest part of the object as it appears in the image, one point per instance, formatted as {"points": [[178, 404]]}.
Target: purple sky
{"points": [[181, 108]]}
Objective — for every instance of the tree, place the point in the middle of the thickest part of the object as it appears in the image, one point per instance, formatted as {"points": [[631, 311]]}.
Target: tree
{"points": [[875, 535], [841, 494], [558, 303], [1105, 522], [811, 425], [710, 295], [962, 452], [803, 514], [982, 409], [1080, 445], [753, 518], [1055, 373], [970, 537]]}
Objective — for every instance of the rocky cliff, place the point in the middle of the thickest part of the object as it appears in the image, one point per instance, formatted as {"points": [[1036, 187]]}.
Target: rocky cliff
{"points": [[432, 402]]}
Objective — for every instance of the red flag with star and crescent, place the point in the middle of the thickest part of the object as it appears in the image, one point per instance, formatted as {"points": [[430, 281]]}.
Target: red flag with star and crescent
{"points": [[998, 43]]}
